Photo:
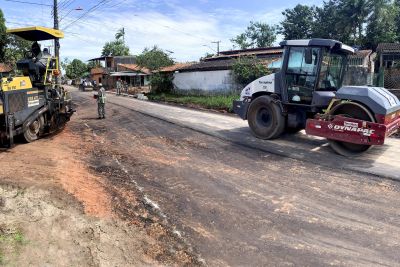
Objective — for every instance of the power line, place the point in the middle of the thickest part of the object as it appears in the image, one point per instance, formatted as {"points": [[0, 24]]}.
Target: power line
{"points": [[66, 5], [102, 2], [29, 3], [85, 20]]}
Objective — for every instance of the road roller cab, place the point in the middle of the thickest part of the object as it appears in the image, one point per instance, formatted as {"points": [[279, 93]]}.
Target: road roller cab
{"points": [[307, 93]]}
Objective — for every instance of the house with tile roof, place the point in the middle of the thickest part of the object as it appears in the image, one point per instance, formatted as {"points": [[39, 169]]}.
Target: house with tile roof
{"points": [[5, 69]]}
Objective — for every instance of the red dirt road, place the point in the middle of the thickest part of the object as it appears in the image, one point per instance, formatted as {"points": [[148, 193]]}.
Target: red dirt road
{"points": [[135, 190]]}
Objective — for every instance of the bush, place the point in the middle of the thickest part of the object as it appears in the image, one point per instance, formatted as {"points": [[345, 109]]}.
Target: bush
{"points": [[248, 69], [161, 83]]}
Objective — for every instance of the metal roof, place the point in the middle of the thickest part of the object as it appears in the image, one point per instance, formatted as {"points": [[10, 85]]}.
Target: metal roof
{"points": [[37, 33], [388, 48], [225, 64], [99, 58], [126, 74]]}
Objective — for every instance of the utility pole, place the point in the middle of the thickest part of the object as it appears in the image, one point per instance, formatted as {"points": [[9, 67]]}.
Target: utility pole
{"points": [[217, 42], [56, 41]]}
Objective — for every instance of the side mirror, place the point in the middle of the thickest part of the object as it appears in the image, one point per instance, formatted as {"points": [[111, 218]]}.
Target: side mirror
{"points": [[308, 56]]}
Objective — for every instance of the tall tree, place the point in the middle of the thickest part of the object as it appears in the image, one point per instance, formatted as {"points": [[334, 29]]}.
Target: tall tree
{"points": [[120, 34], [397, 20], [154, 58], [382, 25], [3, 37], [15, 49], [353, 16], [115, 48], [257, 34], [241, 41], [298, 22], [75, 69], [326, 19]]}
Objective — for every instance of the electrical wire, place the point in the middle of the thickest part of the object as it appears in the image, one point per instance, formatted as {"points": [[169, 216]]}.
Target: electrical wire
{"points": [[29, 3], [102, 2]]}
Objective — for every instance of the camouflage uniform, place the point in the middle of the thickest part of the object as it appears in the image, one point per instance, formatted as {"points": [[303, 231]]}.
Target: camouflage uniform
{"points": [[119, 87], [101, 102]]}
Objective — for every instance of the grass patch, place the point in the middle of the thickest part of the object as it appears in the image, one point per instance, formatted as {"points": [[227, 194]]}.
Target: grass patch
{"points": [[217, 102], [11, 241]]}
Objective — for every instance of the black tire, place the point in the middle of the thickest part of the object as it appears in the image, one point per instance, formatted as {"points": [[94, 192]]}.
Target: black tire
{"points": [[356, 111], [265, 118], [32, 132]]}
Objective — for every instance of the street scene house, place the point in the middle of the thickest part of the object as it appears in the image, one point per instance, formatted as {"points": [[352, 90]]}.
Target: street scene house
{"points": [[133, 75], [5, 69], [389, 65], [107, 69], [214, 74], [361, 68]]}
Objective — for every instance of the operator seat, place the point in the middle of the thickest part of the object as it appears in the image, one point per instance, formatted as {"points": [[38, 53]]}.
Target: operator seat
{"points": [[35, 64]]}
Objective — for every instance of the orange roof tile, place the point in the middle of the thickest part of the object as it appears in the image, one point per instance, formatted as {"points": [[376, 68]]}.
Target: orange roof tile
{"points": [[5, 68], [135, 67], [175, 67]]}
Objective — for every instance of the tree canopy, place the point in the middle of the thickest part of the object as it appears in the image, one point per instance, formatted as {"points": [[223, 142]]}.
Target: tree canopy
{"points": [[298, 22], [3, 37], [115, 48], [364, 23], [154, 58], [75, 69], [257, 34], [15, 49]]}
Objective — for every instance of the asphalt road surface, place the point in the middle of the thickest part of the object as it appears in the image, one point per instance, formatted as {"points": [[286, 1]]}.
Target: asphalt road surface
{"points": [[240, 206]]}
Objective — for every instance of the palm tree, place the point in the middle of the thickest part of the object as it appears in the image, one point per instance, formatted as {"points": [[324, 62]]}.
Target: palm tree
{"points": [[120, 33]]}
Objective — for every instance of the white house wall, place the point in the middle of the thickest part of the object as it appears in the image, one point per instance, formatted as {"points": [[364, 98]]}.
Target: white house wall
{"points": [[220, 80]]}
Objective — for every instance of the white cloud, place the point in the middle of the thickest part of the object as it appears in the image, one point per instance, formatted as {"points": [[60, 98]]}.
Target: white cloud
{"points": [[181, 30]]}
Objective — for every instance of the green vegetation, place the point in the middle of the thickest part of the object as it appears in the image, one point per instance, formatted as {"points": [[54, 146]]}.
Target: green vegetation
{"points": [[248, 69], [161, 83], [3, 37], [10, 244], [217, 102], [154, 58], [75, 69], [116, 47], [257, 34], [364, 23]]}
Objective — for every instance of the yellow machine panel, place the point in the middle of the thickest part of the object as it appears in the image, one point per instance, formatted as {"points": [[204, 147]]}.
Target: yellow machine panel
{"points": [[18, 83]]}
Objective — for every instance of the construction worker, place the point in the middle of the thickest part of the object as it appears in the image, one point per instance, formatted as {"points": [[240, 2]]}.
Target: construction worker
{"points": [[119, 86], [101, 102]]}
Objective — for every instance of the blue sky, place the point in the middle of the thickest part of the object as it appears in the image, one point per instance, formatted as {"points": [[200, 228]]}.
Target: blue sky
{"points": [[185, 27]]}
